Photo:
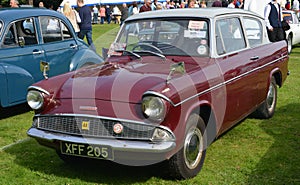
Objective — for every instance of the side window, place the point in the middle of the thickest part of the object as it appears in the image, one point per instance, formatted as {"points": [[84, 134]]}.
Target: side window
{"points": [[51, 29], [253, 31], [66, 31], [229, 35], [20, 34], [10, 38]]}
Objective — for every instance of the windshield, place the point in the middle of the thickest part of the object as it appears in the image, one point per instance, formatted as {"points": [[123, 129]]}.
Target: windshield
{"points": [[182, 37]]}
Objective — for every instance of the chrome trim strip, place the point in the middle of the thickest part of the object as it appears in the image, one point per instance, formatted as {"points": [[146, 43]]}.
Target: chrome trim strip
{"points": [[211, 88], [159, 95], [38, 89]]}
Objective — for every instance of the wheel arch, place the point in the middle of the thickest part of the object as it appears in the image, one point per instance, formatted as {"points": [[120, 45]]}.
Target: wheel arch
{"points": [[278, 77], [205, 111]]}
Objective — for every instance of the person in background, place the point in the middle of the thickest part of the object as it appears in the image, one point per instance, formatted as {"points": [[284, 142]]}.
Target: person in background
{"points": [[273, 18], [191, 4], [135, 8], [102, 14], [217, 3], [86, 23], [95, 14], [239, 4], [287, 5], [41, 4], [71, 15], [14, 3], [231, 4], [203, 4], [124, 13], [117, 14], [154, 4], [108, 14], [146, 7], [296, 6], [159, 6], [225, 3]]}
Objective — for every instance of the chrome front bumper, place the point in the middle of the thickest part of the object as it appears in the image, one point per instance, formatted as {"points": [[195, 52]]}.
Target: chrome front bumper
{"points": [[128, 152]]}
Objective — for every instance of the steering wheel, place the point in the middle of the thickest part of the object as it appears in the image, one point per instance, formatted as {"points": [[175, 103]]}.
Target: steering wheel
{"points": [[147, 45]]}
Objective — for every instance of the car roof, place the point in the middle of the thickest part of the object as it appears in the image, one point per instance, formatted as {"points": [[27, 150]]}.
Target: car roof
{"points": [[10, 14], [190, 12]]}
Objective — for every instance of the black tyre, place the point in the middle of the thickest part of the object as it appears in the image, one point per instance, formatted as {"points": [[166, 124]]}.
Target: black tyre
{"points": [[267, 108], [290, 43], [188, 161]]}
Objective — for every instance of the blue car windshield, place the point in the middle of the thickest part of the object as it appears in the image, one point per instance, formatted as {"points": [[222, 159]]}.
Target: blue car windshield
{"points": [[186, 37]]}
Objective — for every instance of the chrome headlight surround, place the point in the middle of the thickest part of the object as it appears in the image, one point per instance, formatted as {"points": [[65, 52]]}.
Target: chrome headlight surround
{"points": [[162, 134], [154, 108], [35, 99]]}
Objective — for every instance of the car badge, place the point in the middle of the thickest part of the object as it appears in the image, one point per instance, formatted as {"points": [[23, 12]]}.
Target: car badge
{"points": [[118, 128], [85, 125]]}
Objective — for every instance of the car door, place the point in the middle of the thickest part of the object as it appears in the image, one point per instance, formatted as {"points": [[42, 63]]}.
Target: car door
{"points": [[235, 62], [59, 44], [20, 57]]}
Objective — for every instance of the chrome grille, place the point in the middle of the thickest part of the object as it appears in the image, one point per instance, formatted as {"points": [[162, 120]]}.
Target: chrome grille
{"points": [[97, 127]]}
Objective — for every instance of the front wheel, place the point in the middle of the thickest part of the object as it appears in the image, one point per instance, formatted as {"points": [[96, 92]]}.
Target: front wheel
{"points": [[267, 108], [188, 161]]}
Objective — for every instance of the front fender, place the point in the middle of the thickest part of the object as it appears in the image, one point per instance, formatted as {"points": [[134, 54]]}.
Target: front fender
{"points": [[83, 57], [14, 82]]}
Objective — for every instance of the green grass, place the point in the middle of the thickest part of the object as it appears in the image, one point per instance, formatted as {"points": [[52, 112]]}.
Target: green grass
{"points": [[258, 152]]}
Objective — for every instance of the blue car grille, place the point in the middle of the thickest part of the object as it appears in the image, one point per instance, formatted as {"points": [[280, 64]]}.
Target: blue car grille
{"points": [[93, 127]]}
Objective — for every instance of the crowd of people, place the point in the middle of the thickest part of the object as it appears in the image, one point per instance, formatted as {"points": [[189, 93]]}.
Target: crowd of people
{"points": [[82, 21]]}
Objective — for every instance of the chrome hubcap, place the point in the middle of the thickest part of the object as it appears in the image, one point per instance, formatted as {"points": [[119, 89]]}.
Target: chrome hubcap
{"points": [[193, 148], [271, 97]]}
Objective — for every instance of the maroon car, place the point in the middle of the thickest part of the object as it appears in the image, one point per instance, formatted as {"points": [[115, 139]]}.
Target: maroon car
{"points": [[173, 82]]}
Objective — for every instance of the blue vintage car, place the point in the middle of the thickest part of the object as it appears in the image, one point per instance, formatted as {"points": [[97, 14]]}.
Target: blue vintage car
{"points": [[36, 44]]}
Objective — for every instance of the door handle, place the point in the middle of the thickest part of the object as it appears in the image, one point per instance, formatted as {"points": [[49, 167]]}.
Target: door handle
{"points": [[73, 46], [254, 58], [37, 52]]}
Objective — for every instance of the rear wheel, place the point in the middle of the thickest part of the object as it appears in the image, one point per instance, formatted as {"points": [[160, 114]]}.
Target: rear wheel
{"points": [[188, 161], [267, 108]]}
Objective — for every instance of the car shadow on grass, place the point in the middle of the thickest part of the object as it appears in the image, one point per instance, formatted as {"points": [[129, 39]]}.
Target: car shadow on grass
{"points": [[14, 110], [40, 159], [281, 163]]}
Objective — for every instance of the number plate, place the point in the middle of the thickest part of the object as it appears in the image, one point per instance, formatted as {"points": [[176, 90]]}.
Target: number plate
{"points": [[85, 150]]}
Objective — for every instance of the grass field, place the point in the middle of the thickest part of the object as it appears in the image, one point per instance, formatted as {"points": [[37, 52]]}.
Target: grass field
{"points": [[258, 152]]}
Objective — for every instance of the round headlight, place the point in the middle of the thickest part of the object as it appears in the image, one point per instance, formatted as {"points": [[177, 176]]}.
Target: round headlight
{"points": [[154, 108], [35, 99]]}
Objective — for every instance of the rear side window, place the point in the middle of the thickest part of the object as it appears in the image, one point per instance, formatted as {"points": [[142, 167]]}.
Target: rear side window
{"points": [[229, 35], [53, 29], [254, 31]]}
